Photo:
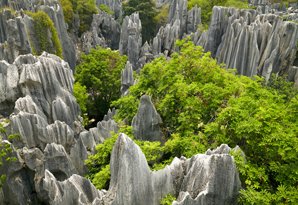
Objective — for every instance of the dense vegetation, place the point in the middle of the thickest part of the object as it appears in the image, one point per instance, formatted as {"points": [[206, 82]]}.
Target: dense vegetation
{"points": [[99, 75], [46, 35], [84, 9], [203, 105]]}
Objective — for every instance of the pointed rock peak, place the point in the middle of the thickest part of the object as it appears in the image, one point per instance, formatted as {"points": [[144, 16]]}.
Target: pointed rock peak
{"points": [[146, 123], [127, 79]]}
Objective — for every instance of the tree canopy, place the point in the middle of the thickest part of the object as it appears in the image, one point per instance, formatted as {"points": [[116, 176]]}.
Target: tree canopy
{"points": [[99, 73]]}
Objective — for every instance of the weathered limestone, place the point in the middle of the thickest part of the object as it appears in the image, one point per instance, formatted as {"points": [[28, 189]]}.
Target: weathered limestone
{"points": [[75, 190], [131, 38], [18, 36], [126, 78], [104, 31], [181, 22], [209, 178], [146, 123], [55, 12], [38, 93], [251, 42]]}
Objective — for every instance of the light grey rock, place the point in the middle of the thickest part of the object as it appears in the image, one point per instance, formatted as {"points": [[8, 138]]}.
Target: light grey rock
{"points": [[104, 31], [203, 179], [211, 179], [193, 19], [18, 36], [58, 162], [131, 38], [132, 182], [252, 43], [181, 22], [146, 123], [55, 12], [75, 190], [178, 11], [146, 56], [114, 5], [127, 79], [19, 177], [14, 40]]}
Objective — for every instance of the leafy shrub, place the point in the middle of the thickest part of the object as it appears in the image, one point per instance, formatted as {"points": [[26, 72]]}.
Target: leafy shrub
{"points": [[167, 200], [5, 151], [100, 73], [84, 9], [67, 11], [106, 9]]}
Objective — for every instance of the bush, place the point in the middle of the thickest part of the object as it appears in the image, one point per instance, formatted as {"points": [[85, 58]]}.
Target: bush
{"points": [[167, 200], [67, 11], [100, 73]]}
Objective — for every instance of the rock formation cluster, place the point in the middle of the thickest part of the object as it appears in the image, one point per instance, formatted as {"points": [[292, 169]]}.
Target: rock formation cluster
{"points": [[36, 98]]}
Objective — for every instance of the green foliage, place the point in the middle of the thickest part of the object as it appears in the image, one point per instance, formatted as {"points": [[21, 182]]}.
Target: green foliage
{"points": [[100, 73], [98, 164], [202, 104], [5, 151], [106, 9], [162, 16], [46, 34], [67, 11], [147, 12], [85, 9], [167, 200]]}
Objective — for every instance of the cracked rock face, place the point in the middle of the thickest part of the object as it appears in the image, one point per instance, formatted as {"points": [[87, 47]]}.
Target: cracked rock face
{"points": [[209, 178]]}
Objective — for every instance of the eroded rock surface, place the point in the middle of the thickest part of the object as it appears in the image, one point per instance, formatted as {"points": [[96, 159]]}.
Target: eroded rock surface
{"points": [[209, 178], [252, 43], [131, 38], [146, 123]]}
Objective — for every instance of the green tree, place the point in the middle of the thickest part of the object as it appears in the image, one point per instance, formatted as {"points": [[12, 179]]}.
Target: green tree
{"points": [[67, 11], [85, 9], [100, 73], [147, 12]]}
